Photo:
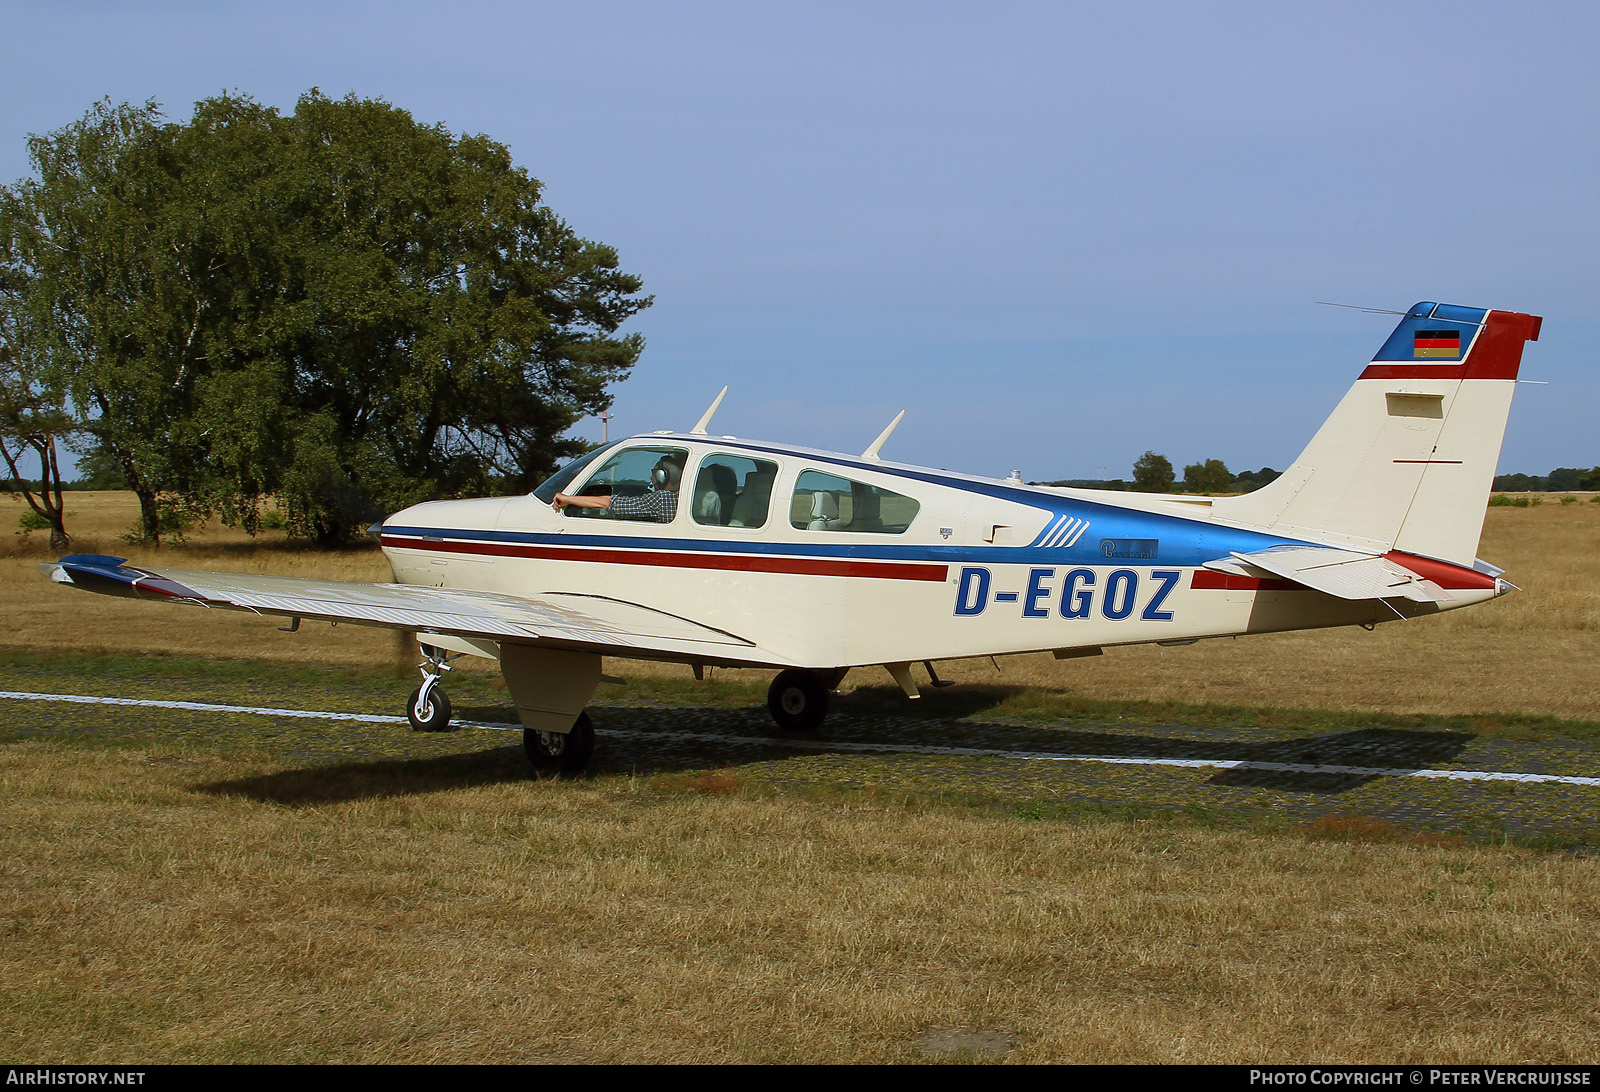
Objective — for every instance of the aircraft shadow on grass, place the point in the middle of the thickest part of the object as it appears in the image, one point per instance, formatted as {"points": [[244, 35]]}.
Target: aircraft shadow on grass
{"points": [[651, 740]]}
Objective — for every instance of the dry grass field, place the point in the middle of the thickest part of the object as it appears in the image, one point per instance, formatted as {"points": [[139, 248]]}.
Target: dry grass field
{"points": [[177, 906], [1534, 651], [173, 903]]}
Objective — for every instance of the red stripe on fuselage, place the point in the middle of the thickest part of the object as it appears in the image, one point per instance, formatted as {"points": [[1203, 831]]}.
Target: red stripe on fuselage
{"points": [[1211, 580], [804, 566]]}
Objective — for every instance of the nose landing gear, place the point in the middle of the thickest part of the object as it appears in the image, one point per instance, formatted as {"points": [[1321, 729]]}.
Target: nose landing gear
{"points": [[429, 709]]}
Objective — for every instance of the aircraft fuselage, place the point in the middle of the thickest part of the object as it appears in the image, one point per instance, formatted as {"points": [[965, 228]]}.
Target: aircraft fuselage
{"points": [[980, 567]]}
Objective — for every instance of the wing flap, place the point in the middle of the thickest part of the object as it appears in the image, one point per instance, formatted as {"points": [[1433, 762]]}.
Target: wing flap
{"points": [[585, 621], [1345, 574]]}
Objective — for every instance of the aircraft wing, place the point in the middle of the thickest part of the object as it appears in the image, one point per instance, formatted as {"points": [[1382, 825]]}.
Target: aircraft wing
{"points": [[593, 623], [1346, 574]]}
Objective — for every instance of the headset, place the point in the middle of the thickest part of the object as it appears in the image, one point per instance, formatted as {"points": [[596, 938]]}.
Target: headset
{"points": [[667, 473]]}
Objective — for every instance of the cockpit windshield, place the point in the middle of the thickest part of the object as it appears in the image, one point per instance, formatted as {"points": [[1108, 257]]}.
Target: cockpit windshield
{"points": [[563, 477]]}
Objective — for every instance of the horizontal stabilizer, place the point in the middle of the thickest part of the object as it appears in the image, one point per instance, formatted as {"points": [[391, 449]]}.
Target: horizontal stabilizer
{"points": [[1346, 574]]}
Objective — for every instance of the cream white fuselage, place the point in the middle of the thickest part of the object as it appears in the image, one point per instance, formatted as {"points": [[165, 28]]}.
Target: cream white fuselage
{"points": [[985, 567]]}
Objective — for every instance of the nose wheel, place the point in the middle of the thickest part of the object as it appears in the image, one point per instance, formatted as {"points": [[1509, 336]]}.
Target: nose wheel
{"points": [[429, 709]]}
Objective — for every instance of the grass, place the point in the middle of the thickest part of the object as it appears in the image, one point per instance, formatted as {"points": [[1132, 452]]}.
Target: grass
{"points": [[161, 908], [170, 895]]}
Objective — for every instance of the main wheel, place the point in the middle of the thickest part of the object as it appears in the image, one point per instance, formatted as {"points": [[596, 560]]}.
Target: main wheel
{"points": [[553, 752], [797, 700], [431, 714]]}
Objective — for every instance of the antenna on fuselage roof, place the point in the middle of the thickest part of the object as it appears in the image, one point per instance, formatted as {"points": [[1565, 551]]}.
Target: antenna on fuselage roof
{"points": [[872, 450], [1360, 307], [705, 418]]}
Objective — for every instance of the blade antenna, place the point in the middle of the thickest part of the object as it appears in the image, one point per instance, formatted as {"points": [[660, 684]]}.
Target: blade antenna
{"points": [[705, 418], [876, 445], [1359, 307]]}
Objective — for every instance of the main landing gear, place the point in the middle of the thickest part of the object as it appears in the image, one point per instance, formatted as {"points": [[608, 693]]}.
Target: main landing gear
{"points": [[553, 752], [798, 699], [564, 753], [429, 710]]}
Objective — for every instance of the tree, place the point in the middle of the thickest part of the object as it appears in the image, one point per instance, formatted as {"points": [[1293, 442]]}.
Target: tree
{"points": [[1250, 480], [1565, 477], [340, 306], [1211, 476], [98, 231], [463, 326], [1153, 473], [33, 415], [98, 471]]}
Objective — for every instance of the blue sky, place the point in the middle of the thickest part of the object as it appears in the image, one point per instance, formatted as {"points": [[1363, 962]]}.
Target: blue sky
{"points": [[1057, 234]]}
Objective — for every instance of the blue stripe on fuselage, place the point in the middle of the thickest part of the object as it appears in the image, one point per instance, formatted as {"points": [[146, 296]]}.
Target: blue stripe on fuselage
{"points": [[1183, 542], [1196, 544]]}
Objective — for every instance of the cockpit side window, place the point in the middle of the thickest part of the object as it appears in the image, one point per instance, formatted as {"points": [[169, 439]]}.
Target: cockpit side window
{"points": [[827, 502], [562, 478], [733, 491], [629, 478]]}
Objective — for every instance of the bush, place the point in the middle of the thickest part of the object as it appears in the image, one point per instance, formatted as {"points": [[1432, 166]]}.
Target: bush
{"points": [[33, 521]]}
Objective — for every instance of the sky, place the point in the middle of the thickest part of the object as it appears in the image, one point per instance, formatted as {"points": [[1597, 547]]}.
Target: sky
{"points": [[1058, 235]]}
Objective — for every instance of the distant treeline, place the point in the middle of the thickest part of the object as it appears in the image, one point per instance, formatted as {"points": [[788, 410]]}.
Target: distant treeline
{"points": [[1154, 473], [13, 485], [1562, 477]]}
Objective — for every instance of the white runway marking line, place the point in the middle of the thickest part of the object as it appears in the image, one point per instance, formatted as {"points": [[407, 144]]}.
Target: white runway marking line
{"points": [[844, 745]]}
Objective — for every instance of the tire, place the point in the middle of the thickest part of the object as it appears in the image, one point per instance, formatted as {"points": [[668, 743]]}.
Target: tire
{"points": [[434, 716], [554, 753], [797, 700]]}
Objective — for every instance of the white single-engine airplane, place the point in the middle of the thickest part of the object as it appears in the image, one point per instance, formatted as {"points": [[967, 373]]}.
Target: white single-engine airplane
{"points": [[712, 550]]}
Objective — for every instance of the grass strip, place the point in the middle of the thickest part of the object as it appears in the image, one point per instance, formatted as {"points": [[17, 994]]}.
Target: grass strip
{"points": [[152, 674]]}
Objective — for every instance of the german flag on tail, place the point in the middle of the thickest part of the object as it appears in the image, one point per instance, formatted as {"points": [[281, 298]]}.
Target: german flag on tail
{"points": [[1444, 344]]}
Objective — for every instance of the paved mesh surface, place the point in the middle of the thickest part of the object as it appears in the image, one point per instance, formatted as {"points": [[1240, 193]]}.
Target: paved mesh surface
{"points": [[1431, 780]]}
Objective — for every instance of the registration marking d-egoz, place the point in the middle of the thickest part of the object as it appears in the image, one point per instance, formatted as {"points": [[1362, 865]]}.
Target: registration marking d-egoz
{"points": [[1078, 593]]}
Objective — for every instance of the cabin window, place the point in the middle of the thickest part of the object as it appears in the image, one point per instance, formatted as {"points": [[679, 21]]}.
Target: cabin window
{"points": [[625, 478], [826, 502], [733, 491]]}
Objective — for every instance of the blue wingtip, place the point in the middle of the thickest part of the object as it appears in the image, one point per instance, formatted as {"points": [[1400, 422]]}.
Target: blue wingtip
{"points": [[93, 561]]}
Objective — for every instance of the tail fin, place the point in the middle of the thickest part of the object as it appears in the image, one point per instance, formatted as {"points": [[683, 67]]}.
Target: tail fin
{"points": [[1407, 459]]}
